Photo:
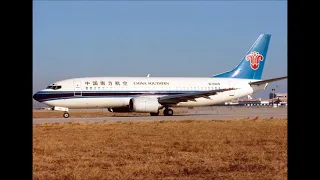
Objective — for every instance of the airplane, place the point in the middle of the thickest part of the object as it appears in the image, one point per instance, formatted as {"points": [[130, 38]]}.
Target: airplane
{"points": [[152, 94]]}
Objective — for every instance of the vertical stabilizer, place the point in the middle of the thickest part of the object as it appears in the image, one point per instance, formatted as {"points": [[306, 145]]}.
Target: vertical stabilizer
{"points": [[252, 64]]}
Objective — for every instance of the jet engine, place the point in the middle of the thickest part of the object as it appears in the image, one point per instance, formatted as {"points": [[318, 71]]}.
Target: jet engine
{"points": [[144, 104]]}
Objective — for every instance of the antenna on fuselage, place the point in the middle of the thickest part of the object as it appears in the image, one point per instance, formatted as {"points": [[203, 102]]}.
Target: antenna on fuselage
{"points": [[148, 75]]}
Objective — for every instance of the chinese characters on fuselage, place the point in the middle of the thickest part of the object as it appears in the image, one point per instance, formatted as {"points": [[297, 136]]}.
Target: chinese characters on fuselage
{"points": [[124, 83]]}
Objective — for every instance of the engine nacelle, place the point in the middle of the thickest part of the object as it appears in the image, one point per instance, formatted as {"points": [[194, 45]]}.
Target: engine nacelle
{"points": [[119, 109], [144, 104]]}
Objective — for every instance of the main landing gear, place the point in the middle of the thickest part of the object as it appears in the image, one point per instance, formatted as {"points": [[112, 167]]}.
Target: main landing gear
{"points": [[167, 112]]}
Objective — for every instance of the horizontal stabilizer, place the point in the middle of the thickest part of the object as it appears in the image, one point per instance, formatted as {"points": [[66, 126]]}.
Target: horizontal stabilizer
{"points": [[267, 80]]}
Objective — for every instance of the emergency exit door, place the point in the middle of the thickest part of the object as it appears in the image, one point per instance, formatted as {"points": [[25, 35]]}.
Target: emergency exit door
{"points": [[77, 88]]}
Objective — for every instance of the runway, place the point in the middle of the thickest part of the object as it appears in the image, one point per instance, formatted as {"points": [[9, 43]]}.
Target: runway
{"points": [[207, 113]]}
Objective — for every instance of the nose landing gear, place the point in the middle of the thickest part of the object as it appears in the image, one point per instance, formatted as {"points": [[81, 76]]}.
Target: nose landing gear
{"points": [[66, 114]]}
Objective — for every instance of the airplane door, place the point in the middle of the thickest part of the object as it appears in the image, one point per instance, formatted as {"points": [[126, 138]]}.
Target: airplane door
{"points": [[77, 88], [231, 85]]}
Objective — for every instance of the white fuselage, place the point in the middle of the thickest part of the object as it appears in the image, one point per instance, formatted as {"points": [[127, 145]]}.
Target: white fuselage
{"points": [[112, 92]]}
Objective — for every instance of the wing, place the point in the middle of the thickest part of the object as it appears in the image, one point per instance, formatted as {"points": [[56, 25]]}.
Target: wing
{"points": [[174, 99]]}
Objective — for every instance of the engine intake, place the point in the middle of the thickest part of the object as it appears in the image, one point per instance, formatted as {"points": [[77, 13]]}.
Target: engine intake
{"points": [[144, 104]]}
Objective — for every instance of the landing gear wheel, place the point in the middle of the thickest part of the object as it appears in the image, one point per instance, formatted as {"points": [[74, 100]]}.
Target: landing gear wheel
{"points": [[154, 114], [168, 112], [66, 115]]}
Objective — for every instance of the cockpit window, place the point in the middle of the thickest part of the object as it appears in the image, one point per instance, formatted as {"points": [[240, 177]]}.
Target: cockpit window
{"points": [[55, 87]]}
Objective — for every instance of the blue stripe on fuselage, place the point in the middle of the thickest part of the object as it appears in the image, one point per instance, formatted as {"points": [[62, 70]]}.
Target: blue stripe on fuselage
{"points": [[43, 96]]}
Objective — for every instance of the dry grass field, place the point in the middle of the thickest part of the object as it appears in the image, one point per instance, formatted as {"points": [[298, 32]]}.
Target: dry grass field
{"points": [[236, 149]]}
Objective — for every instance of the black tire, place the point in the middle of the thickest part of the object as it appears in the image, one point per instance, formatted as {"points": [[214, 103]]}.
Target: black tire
{"points": [[66, 115], [165, 112], [168, 112]]}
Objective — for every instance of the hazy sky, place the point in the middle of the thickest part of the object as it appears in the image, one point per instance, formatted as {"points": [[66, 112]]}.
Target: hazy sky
{"points": [[134, 38]]}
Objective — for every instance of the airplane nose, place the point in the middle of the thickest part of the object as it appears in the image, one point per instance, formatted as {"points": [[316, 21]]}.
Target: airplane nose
{"points": [[36, 96]]}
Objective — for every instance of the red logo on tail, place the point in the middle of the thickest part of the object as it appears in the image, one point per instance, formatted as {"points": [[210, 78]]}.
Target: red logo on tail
{"points": [[254, 58]]}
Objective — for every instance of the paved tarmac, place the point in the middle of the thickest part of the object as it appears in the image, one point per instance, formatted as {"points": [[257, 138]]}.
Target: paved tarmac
{"points": [[206, 113]]}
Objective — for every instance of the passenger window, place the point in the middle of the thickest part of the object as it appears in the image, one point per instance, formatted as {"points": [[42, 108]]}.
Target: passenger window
{"points": [[86, 88], [90, 88]]}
